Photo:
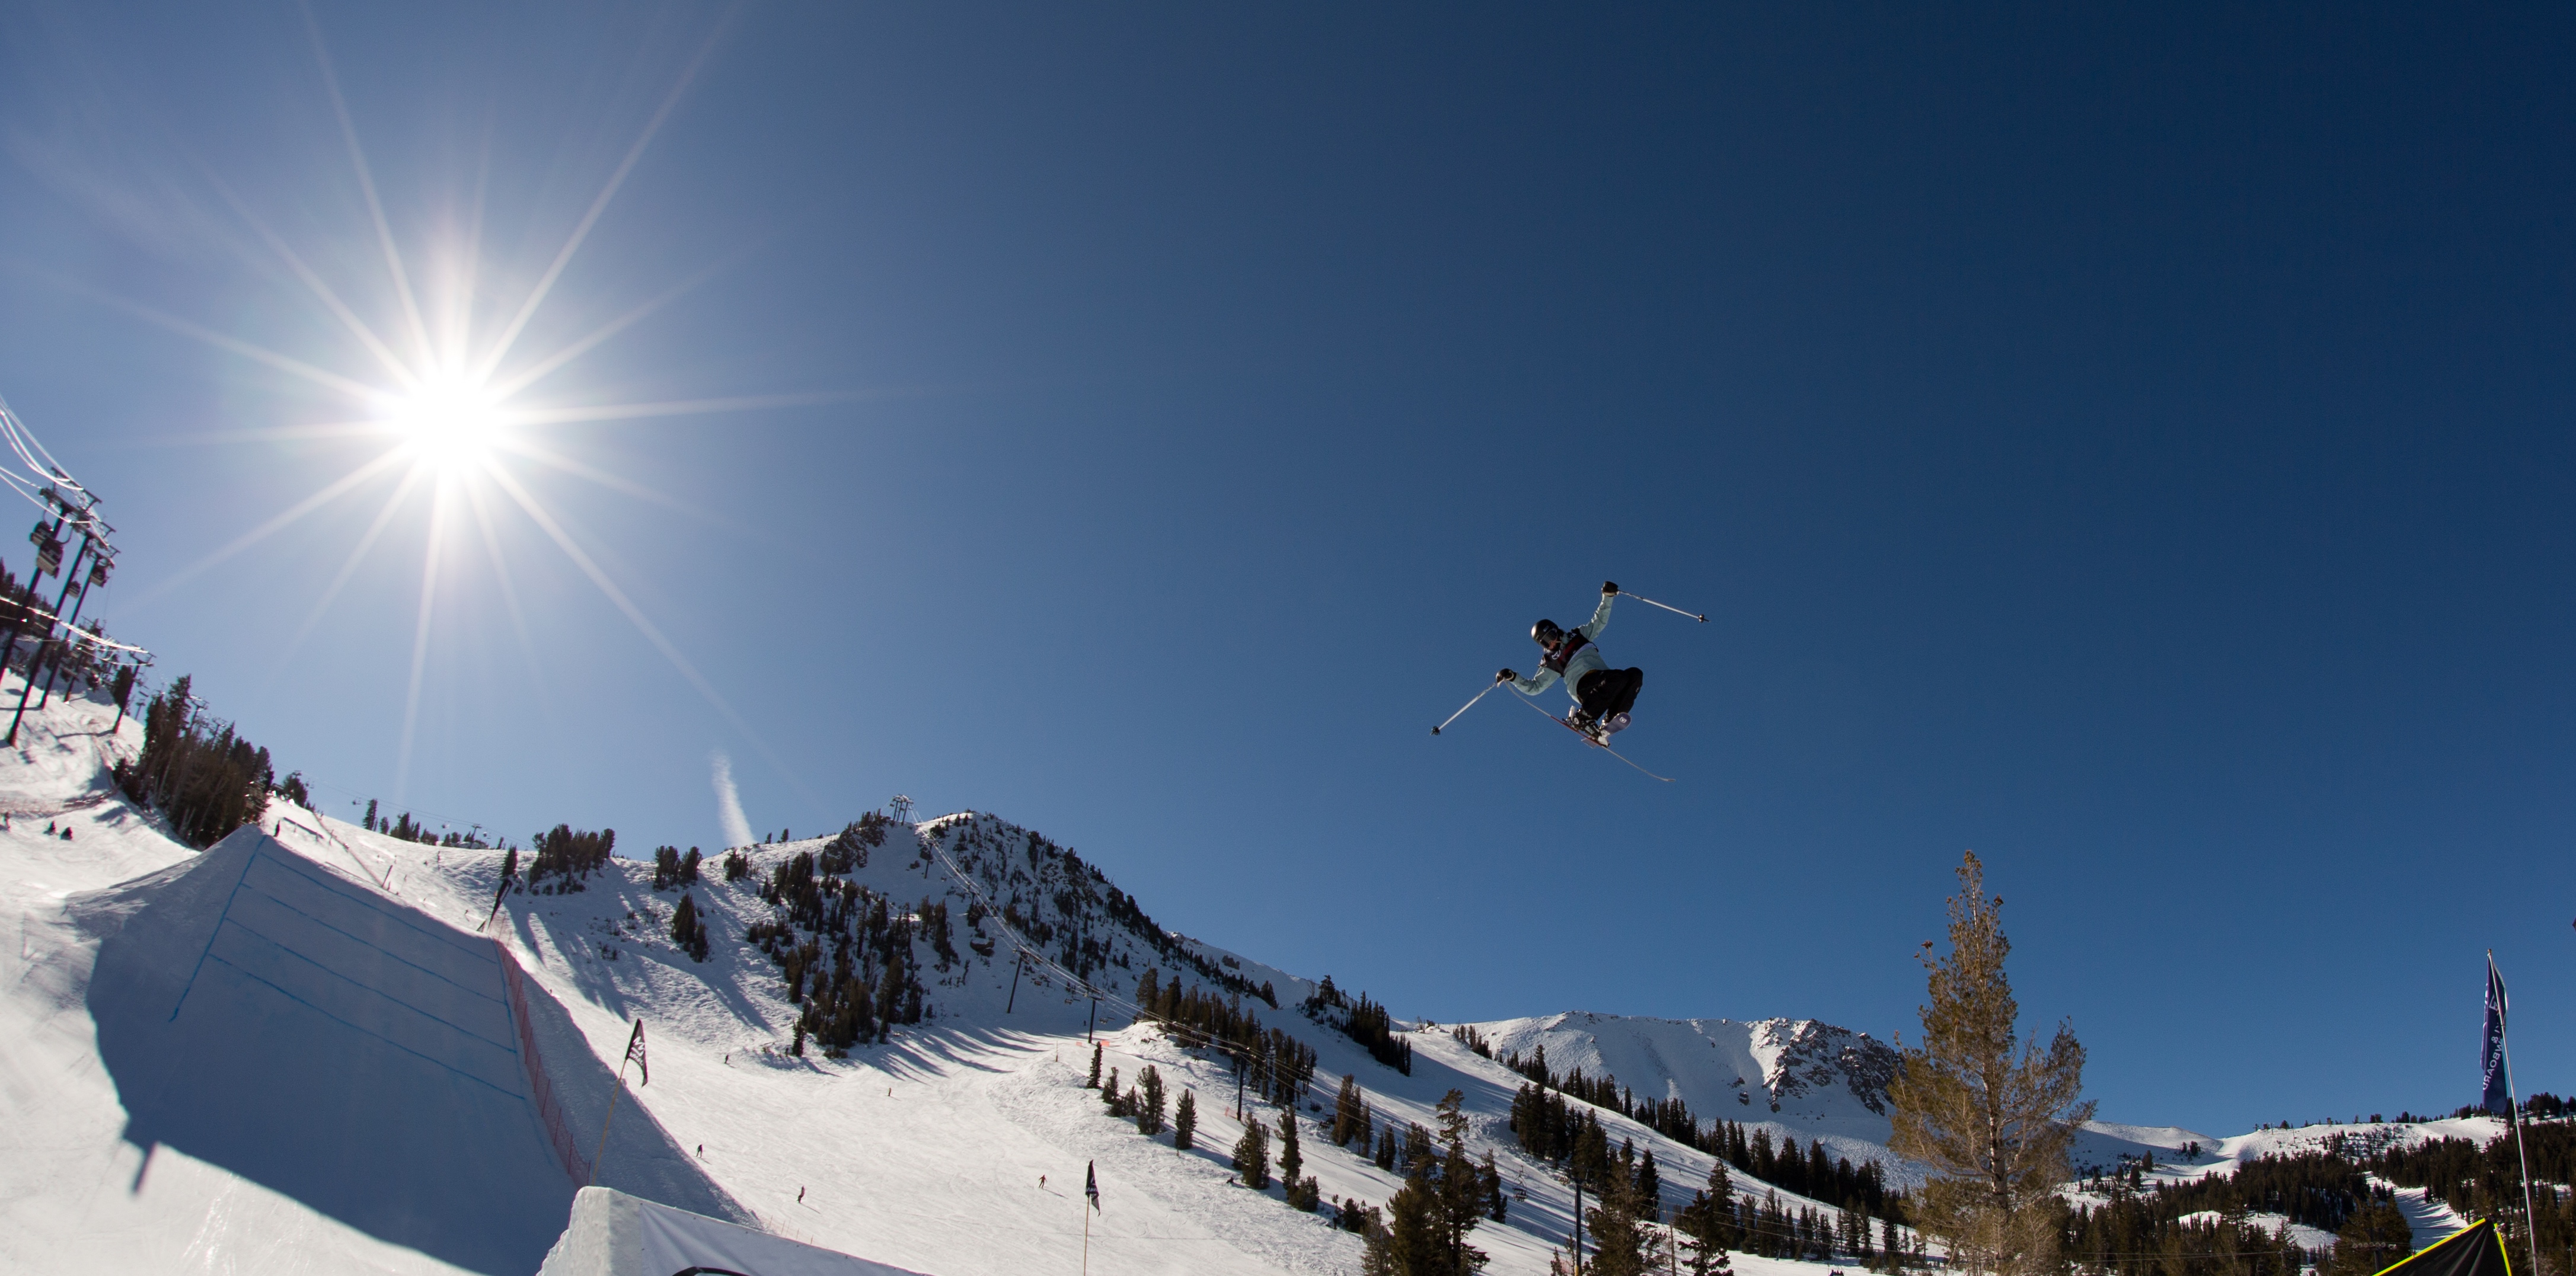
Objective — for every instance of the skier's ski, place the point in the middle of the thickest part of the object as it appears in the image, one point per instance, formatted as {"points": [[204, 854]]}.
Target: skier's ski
{"points": [[1590, 741], [1587, 739]]}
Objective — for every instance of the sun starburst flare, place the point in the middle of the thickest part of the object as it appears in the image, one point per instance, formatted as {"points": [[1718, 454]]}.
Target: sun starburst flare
{"points": [[448, 424], [452, 413]]}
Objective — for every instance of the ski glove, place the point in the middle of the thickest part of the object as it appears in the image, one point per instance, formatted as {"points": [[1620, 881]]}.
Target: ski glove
{"points": [[1505, 676], [1609, 587]]}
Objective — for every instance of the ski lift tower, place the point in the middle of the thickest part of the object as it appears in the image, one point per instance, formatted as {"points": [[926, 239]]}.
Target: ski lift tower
{"points": [[902, 809]]}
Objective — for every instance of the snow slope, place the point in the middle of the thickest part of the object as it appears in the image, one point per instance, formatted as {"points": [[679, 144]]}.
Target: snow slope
{"points": [[2172, 1155], [254, 1060], [1810, 1081], [927, 1152], [613, 1234], [336, 1090], [293, 1053], [1798, 1078]]}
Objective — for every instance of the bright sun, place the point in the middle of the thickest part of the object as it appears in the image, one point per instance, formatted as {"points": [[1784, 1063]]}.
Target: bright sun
{"points": [[448, 424], [442, 401]]}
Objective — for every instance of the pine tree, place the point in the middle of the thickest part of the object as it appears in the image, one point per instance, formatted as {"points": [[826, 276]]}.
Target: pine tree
{"points": [[1112, 1096], [1377, 1240], [2374, 1237], [1650, 1189], [1618, 1244], [1094, 1082], [1707, 1226], [1350, 1113], [1589, 1160], [1462, 1189], [1411, 1244], [688, 930], [1185, 1121], [1992, 1127], [1292, 1163], [1496, 1205], [1385, 1157], [1252, 1155], [1149, 1102]]}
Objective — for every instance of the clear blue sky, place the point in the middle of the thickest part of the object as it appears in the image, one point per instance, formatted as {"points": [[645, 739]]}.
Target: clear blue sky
{"points": [[2133, 446]]}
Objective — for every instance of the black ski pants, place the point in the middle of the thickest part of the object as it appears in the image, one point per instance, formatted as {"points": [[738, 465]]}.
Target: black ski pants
{"points": [[1607, 693]]}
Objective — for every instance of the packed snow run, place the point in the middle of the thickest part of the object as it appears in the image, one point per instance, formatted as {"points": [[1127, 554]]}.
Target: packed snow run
{"points": [[316, 1048]]}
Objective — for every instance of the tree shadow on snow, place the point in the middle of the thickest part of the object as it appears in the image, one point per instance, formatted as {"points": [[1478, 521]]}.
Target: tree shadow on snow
{"points": [[918, 1052]]}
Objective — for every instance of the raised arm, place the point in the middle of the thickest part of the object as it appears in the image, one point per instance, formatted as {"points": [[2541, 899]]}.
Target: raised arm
{"points": [[1531, 685], [1600, 615]]}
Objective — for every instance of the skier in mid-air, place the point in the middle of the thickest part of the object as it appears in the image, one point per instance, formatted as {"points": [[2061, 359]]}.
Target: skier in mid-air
{"points": [[1602, 695]]}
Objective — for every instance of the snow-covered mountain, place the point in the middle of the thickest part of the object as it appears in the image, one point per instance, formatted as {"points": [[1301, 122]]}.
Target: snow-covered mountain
{"points": [[318, 1048], [307, 1050], [1797, 1078], [1813, 1082]]}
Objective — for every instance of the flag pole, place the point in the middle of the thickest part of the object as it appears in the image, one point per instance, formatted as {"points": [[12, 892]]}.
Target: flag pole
{"points": [[603, 1126], [634, 1054], [2513, 1113], [1091, 1198]]}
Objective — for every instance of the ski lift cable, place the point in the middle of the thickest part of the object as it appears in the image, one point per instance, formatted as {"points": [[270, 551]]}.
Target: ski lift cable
{"points": [[31, 489], [25, 489], [451, 821], [31, 485], [10, 423], [78, 634], [23, 441]]}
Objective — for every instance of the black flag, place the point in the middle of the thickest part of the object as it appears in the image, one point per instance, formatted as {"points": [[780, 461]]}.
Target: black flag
{"points": [[1091, 1184], [2497, 1096], [635, 1051]]}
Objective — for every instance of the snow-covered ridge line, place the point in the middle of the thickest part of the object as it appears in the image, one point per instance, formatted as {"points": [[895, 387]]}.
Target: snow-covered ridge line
{"points": [[924, 1149]]}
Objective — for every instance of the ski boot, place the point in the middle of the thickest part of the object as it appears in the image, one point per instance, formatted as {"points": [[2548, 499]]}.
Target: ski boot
{"points": [[1590, 727]]}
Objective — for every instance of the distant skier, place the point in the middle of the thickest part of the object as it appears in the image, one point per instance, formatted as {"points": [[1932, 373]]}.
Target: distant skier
{"points": [[1602, 695]]}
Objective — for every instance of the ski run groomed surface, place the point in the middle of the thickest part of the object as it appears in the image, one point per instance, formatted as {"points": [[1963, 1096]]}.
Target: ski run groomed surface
{"points": [[298, 1052]]}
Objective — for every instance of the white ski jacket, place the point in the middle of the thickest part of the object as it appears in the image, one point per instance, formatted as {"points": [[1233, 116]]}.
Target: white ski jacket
{"points": [[1584, 659]]}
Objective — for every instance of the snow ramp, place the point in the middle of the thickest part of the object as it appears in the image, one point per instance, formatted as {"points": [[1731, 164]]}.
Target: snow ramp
{"points": [[613, 1234], [266, 1014]]}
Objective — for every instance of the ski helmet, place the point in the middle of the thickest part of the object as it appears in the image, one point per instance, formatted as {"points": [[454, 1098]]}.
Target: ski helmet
{"points": [[1545, 633]]}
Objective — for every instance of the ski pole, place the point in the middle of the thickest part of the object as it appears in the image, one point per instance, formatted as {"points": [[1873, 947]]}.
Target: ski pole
{"points": [[1469, 705], [1666, 606]]}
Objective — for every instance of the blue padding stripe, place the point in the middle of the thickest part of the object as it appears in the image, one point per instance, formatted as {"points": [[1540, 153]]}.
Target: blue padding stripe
{"points": [[369, 943], [216, 929], [372, 1032], [363, 988], [448, 938]]}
